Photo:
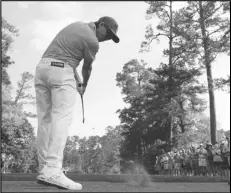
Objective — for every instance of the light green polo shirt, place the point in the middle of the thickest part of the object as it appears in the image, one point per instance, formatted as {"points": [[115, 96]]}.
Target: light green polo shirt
{"points": [[75, 42]]}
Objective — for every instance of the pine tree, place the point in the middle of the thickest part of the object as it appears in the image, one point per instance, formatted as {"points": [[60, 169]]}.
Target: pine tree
{"points": [[178, 76], [211, 26]]}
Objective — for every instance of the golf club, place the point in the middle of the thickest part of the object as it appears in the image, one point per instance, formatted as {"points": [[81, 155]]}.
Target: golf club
{"points": [[82, 108], [78, 80]]}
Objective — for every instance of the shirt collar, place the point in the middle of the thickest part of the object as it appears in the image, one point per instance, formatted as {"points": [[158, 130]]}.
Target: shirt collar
{"points": [[92, 26]]}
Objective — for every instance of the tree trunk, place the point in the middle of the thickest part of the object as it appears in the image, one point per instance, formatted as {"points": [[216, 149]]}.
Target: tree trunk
{"points": [[170, 72], [209, 77]]}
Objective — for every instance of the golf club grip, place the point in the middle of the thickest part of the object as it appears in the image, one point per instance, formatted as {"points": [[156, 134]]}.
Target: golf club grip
{"points": [[77, 77]]}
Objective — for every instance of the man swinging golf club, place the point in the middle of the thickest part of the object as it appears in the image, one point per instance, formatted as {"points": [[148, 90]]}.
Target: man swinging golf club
{"points": [[56, 81]]}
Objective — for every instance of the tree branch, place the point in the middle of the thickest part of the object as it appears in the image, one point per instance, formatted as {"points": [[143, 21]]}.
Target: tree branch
{"points": [[167, 5], [166, 13], [196, 21], [214, 31], [19, 93], [214, 57], [159, 34], [155, 37], [228, 31], [207, 16], [175, 36], [197, 7], [176, 60]]}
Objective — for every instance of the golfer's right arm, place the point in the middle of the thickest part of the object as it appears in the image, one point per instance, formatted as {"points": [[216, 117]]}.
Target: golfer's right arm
{"points": [[90, 51], [86, 71]]}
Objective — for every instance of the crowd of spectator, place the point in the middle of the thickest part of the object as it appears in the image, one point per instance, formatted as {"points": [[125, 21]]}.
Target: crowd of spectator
{"points": [[203, 160]]}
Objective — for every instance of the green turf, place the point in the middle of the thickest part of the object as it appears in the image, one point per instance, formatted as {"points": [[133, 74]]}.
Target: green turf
{"points": [[32, 186]]}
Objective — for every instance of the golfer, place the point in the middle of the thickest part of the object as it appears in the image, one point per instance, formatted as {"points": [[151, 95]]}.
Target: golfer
{"points": [[55, 87]]}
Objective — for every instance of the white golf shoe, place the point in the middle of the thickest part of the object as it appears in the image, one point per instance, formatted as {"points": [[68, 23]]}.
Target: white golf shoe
{"points": [[55, 177]]}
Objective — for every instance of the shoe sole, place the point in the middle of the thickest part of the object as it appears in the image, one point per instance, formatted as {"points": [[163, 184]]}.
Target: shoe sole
{"points": [[51, 184], [43, 182]]}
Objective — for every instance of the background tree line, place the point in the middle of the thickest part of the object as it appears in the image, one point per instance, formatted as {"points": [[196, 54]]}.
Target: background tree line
{"points": [[17, 134], [164, 110]]}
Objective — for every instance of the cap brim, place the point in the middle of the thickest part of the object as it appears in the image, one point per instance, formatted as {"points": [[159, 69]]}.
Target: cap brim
{"points": [[115, 38]]}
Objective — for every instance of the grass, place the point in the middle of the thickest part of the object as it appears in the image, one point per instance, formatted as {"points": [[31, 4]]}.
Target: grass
{"points": [[32, 186]]}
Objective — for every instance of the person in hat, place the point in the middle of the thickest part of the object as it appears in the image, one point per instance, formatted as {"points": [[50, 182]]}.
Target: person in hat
{"points": [[56, 83]]}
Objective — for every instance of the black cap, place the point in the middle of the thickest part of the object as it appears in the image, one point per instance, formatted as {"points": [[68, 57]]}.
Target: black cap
{"points": [[112, 25]]}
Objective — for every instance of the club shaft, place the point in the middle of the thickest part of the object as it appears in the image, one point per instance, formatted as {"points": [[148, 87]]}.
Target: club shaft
{"points": [[82, 107], [78, 80]]}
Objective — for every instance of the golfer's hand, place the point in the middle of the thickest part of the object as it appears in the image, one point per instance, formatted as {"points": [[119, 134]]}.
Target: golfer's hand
{"points": [[80, 88]]}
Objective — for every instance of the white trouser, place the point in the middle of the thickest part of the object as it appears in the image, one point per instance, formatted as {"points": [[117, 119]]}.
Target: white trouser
{"points": [[55, 97]]}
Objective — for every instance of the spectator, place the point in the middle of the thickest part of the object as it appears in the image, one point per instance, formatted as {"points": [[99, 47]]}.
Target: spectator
{"points": [[227, 151], [210, 166], [158, 166], [170, 162], [223, 157], [187, 162], [217, 160], [194, 161], [183, 163], [202, 159], [206, 160], [177, 165], [165, 163]]}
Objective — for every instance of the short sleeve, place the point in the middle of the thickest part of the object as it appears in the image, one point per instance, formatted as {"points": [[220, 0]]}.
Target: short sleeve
{"points": [[90, 50]]}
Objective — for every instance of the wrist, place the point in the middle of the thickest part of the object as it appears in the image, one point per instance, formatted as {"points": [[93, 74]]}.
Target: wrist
{"points": [[84, 84]]}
